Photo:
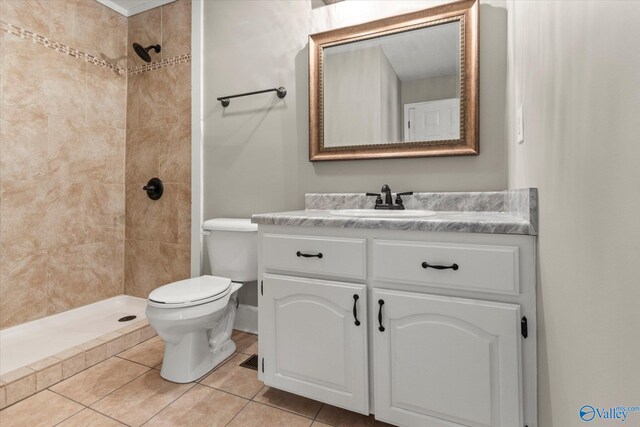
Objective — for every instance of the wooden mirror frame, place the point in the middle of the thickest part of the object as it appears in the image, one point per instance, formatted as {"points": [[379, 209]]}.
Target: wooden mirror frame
{"points": [[465, 12]]}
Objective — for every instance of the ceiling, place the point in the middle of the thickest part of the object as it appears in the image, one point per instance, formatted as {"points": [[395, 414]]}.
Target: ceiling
{"points": [[418, 54], [132, 7]]}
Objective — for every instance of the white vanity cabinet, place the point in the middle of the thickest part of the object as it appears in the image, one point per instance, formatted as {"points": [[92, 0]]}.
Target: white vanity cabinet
{"points": [[447, 359], [313, 344], [446, 323]]}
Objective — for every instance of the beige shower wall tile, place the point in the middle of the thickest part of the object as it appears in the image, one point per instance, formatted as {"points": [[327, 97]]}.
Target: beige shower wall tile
{"points": [[183, 92], [98, 30], [133, 101], [54, 84], [90, 27], [148, 219], [80, 213], [176, 26], [22, 285], [32, 15], [65, 91], [175, 262], [106, 98], [20, 89], [105, 215], [63, 23], [175, 160], [145, 29], [22, 214], [141, 267], [23, 143], [65, 217], [159, 96], [79, 153], [184, 213], [147, 152], [81, 274]]}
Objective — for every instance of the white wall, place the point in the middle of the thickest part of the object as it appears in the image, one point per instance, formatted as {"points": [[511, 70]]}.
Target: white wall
{"points": [[575, 68], [256, 151], [430, 89], [353, 97]]}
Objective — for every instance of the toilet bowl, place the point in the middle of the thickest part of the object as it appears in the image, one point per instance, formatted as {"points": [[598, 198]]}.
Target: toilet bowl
{"points": [[194, 317]]}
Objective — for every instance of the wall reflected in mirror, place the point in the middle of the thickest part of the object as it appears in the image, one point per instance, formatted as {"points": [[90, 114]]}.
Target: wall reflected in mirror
{"points": [[400, 88]]}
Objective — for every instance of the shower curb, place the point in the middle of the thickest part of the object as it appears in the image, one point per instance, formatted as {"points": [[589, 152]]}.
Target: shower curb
{"points": [[23, 382]]}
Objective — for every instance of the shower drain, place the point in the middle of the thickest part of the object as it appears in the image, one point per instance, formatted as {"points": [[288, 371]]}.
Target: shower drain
{"points": [[127, 318]]}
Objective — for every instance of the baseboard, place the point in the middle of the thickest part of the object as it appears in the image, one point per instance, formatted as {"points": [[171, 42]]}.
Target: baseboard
{"points": [[246, 319]]}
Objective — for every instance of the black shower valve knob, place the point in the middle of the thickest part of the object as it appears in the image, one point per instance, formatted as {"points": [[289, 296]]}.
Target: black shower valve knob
{"points": [[154, 188]]}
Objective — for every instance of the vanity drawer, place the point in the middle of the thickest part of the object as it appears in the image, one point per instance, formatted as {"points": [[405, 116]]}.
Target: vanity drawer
{"points": [[327, 256], [483, 268]]}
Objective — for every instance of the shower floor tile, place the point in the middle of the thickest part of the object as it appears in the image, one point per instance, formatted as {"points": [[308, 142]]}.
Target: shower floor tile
{"points": [[126, 390]]}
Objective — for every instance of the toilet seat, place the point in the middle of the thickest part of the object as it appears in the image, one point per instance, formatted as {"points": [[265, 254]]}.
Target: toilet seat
{"points": [[190, 292]]}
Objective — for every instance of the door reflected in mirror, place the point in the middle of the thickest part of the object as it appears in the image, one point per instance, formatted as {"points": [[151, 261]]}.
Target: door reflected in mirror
{"points": [[400, 88], [404, 86]]}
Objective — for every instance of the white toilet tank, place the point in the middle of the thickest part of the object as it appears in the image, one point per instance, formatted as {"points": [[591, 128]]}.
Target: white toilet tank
{"points": [[233, 248]]}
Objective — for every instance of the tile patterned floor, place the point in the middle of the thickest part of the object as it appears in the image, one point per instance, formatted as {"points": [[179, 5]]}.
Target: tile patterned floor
{"points": [[127, 390]]}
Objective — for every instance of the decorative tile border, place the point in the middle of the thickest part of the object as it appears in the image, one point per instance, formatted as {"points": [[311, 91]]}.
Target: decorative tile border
{"points": [[67, 50], [26, 381], [180, 59]]}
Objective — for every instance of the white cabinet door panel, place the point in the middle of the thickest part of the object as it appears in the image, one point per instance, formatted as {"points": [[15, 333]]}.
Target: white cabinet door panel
{"points": [[444, 361], [312, 345]]}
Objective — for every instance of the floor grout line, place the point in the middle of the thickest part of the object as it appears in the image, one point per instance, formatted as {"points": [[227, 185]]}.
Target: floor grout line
{"points": [[193, 384], [72, 415], [113, 391], [241, 409], [61, 395]]}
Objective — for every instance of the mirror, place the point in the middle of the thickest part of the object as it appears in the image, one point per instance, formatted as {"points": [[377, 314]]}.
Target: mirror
{"points": [[404, 86]]}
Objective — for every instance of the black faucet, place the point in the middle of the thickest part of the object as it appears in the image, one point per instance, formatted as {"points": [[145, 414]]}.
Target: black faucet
{"points": [[388, 199]]}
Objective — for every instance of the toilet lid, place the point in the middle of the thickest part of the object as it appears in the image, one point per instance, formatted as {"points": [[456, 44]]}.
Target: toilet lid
{"points": [[194, 290]]}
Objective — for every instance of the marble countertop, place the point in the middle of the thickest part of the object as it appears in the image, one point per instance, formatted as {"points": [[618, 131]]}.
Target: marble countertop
{"points": [[508, 212]]}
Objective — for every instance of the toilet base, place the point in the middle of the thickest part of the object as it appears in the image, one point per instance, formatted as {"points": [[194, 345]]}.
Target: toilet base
{"points": [[196, 338], [178, 365]]}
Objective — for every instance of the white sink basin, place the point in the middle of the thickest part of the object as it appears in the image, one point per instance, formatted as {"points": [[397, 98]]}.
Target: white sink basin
{"points": [[381, 213]]}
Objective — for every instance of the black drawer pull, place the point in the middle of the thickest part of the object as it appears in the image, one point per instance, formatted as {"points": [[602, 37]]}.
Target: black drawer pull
{"points": [[318, 255], [440, 267], [380, 328], [355, 311]]}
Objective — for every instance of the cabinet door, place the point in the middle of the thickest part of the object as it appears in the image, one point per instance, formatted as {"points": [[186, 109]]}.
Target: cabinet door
{"points": [[444, 361], [310, 342]]}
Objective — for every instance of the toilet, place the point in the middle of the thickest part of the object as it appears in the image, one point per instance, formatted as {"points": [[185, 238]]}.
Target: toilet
{"points": [[194, 317]]}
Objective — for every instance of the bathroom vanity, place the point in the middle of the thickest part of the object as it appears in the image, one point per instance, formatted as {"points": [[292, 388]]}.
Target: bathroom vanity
{"points": [[425, 320]]}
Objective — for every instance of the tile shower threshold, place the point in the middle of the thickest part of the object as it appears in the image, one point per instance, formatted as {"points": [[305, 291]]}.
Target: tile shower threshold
{"points": [[38, 354]]}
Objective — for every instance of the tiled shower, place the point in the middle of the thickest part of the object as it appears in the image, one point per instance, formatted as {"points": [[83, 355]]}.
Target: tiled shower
{"points": [[84, 124]]}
